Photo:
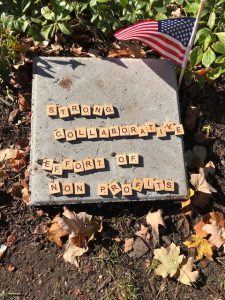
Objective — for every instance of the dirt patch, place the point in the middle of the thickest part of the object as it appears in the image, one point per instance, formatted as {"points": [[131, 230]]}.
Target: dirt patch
{"points": [[66, 84]]}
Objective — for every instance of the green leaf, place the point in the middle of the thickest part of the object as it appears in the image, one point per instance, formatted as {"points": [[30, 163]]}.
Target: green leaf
{"points": [[202, 35], [47, 31], [25, 5], [216, 73], [196, 56], [65, 28], [207, 41], [221, 36], [208, 57], [211, 20], [220, 60], [103, 1], [123, 3], [219, 47], [192, 8], [47, 13]]}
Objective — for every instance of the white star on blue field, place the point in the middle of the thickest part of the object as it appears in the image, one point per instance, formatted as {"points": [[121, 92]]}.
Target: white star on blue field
{"points": [[178, 28]]}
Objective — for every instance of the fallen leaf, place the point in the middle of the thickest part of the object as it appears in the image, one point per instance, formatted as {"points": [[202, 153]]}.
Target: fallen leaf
{"points": [[24, 105], [128, 245], [10, 268], [133, 50], [8, 153], [187, 276], [72, 252], [13, 114], [217, 232], [186, 207], [170, 259], [143, 233], [198, 229], [155, 219], [55, 232], [202, 246], [209, 168], [18, 162], [200, 184], [3, 249], [41, 228], [16, 190], [10, 240], [25, 191], [218, 217]]}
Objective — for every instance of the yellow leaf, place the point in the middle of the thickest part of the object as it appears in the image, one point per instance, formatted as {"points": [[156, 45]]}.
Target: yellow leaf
{"points": [[202, 246]]}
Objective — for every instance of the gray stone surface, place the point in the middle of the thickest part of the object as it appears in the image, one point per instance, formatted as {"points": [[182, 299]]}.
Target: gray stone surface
{"points": [[142, 90]]}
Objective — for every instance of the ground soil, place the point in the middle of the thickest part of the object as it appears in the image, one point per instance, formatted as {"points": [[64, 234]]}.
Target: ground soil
{"points": [[106, 272]]}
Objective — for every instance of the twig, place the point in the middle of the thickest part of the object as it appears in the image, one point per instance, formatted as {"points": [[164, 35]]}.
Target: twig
{"points": [[6, 103]]}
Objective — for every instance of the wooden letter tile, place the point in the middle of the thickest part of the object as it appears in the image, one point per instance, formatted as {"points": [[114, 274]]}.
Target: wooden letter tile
{"points": [[78, 166], [137, 185], [98, 110], [99, 163], [179, 129], [109, 109], [74, 109], [57, 169], [133, 129], [63, 112], [67, 188], [126, 189], [133, 158], [103, 189], [80, 188], [86, 110], [70, 135], [121, 159], [88, 164], [92, 133], [160, 132], [151, 127], [104, 132], [159, 185], [81, 132], [169, 126], [148, 183], [59, 133], [54, 187], [52, 110], [67, 164], [124, 130], [114, 188], [142, 131], [47, 164], [169, 185], [114, 131]]}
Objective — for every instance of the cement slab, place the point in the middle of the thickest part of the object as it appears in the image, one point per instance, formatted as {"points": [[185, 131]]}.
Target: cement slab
{"points": [[141, 90]]}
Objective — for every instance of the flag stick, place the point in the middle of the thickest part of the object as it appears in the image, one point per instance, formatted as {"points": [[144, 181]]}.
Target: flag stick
{"points": [[191, 41]]}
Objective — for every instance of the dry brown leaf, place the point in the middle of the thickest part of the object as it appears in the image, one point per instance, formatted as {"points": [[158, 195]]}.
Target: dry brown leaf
{"points": [[13, 114], [128, 245], [10, 240], [55, 232], [41, 228], [24, 105], [8, 153], [199, 182], [25, 191], [133, 50], [143, 233], [16, 190], [120, 53], [19, 162], [21, 47], [218, 217], [72, 252], [11, 268], [155, 219], [187, 276], [217, 232], [198, 229]]}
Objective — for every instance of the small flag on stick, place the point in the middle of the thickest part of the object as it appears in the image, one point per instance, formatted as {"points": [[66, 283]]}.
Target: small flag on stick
{"points": [[169, 37]]}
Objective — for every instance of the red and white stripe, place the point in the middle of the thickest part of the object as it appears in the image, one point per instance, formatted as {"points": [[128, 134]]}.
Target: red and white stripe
{"points": [[147, 32]]}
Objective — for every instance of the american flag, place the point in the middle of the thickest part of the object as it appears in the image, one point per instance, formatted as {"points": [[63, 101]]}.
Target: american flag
{"points": [[169, 37]]}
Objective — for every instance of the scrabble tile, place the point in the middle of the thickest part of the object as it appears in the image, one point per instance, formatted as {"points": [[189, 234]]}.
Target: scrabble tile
{"points": [[114, 131], [133, 129], [151, 127], [54, 187], [126, 189], [92, 133], [169, 126], [59, 133], [99, 163], [159, 185], [124, 130], [47, 164], [98, 110], [148, 183], [67, 188], [121, 159], [70, 135], [160, 132], [103, 189], [85, 110], [88, 164], [104, 132], [67, 164], [137, 185], [63, 112], [81, 132], [169, 185], [52, 110], [179, 129], [142, 131], [74, 109], [109, 110], [57, 169], [80, 188], [133, 158], [78, 166], [114, 188]]}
